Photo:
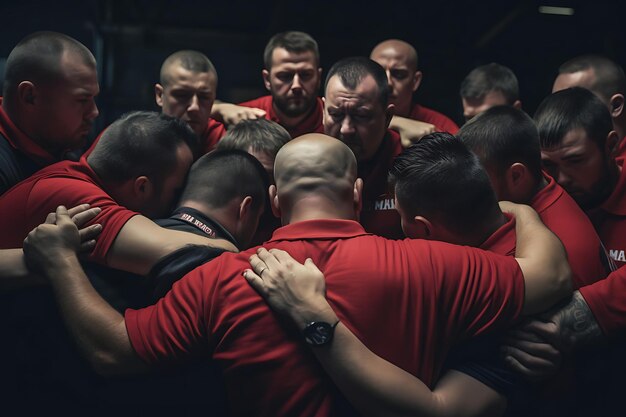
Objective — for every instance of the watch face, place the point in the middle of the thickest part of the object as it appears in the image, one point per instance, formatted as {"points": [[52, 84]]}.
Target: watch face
{"points": [[318, 333]]}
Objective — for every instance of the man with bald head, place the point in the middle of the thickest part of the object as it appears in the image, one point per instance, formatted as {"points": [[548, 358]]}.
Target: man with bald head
{"points": [[606, 80], [373, 283], [48, 106], [399, 59], [188, 83]]}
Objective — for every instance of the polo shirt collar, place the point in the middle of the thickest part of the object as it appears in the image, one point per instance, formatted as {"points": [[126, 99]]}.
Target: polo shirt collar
{"points": [[319, 229], [547, 196], [215, 229], [616, 203], [310, 124], [20, 141]]}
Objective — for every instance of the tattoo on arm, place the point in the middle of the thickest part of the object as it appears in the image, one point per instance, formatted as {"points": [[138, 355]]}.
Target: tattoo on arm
{"points": [[578, 326]]}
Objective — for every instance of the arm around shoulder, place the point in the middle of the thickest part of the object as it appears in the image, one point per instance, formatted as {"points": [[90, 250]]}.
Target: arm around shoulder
{"points": [[98, 329], [141, 243], [542, 259], [232, 114]]}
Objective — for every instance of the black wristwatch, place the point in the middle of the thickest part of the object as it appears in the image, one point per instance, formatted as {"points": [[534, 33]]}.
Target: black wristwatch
{"points": [[319, 333]]}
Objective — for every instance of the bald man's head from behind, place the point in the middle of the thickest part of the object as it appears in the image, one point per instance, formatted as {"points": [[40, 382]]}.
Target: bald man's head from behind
{"points": [[316, 178], [399, 59]]}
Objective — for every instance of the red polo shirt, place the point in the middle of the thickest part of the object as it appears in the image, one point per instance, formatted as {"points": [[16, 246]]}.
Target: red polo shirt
{"points": [[379, 215], [311, 124], [502, 241], [212, 134], [442, 122], [607, 301], [409, 301], [585, 253], [19, 141], [68, 183], [610, 219]]}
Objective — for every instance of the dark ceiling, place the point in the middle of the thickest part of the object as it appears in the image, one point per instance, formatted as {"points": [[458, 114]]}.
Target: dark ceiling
{"points": [[131, 38]]}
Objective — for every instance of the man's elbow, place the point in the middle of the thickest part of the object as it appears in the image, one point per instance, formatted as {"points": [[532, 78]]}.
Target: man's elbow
{"points": [[546, 287], [564, 281], [108, 364]]}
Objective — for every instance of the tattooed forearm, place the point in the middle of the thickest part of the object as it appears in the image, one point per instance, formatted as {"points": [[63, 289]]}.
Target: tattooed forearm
{"points": [[578, 327]]}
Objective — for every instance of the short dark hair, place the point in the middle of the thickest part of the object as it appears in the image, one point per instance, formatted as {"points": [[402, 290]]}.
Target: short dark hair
{"points": [[491, 77], [193, 61], [439, 177], [293, 41], [140, 143], [569, 109], [352, 70], [37, 58], [609, 77], [502, 136], [260, 135], [218, 177]]}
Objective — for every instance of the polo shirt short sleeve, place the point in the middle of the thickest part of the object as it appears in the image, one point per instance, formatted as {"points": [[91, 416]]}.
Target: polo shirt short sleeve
{"points": [[607, 301], [65, 183]]}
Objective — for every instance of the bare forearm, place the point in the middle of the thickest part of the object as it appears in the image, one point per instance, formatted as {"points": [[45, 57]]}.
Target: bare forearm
{"points": [[578, 325], [141, 243], [13, 271], [396, 122], [216, 110], [98, 329], [377, 387], [232, 114], [410, 130], [373, 385], [543, 260]]}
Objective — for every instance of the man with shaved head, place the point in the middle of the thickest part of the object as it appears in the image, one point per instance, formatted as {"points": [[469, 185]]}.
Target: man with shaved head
{"points": [[48, 106], [373, 283], [606, 80], [188, 83], [399, 59]]}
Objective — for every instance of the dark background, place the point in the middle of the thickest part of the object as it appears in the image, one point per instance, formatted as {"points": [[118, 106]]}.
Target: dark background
{"points": [[130, 39]]}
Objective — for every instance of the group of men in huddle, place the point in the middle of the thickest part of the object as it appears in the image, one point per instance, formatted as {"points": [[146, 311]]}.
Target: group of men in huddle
{"points": [[179, 199]]}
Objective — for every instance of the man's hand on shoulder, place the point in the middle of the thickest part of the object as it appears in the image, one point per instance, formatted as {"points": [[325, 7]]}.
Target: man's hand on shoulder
{"points": [[410, 130], [231, 114], [289, 287], [60, 238]]}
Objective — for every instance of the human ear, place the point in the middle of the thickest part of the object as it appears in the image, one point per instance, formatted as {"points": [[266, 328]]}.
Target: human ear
{"points": [[266, 79], [158, 94]]}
